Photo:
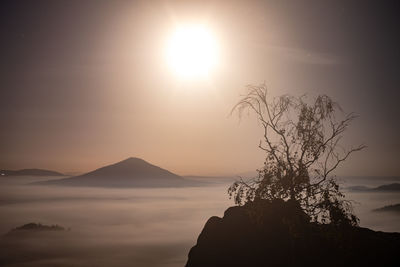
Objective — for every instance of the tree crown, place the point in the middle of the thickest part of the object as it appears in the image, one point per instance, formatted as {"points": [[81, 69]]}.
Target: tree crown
{"points": [[301, 141]]}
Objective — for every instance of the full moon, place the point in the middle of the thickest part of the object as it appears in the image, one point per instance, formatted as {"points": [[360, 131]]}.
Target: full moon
{"points": [[192, 52]]}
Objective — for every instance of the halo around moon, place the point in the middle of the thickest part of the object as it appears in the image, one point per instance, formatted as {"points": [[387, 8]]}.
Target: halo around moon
{"points": [[192, 52]]}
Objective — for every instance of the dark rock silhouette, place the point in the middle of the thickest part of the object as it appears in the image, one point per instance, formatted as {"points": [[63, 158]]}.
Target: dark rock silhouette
{"points": [[279, 234], [132, 172], [30, 172], [389, 208]]}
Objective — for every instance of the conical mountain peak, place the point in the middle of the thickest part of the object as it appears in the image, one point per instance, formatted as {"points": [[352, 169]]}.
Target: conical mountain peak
{"points": [[130, 172]]}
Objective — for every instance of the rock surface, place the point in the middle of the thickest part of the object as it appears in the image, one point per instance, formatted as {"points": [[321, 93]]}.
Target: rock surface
{"points": [[280, 234]]}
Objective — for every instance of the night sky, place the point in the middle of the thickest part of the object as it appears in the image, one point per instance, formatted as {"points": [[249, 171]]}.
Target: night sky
{"points": [[83, 83]]}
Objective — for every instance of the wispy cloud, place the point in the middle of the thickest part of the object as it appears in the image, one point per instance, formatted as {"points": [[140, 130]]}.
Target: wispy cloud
{"points": [[303, 56]]}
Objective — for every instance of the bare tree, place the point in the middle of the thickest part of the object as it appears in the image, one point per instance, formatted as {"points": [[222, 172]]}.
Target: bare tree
{"points": [[301, 140]]}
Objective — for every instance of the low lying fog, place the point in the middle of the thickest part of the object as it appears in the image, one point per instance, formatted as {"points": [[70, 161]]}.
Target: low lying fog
{"points": [[127, 227]]}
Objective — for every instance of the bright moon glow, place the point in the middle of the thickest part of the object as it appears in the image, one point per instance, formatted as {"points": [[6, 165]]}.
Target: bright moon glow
{"points": [[192, 52]]}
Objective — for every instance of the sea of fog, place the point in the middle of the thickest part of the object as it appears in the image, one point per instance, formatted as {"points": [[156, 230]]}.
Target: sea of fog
{"points": [[133, 227]]}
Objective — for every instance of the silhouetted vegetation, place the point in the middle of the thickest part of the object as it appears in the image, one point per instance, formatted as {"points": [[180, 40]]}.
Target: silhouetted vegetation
{"points": [[301, 141]]}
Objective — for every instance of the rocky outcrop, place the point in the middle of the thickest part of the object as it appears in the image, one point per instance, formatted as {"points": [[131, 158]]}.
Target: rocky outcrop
{"points": [[280, 234]]}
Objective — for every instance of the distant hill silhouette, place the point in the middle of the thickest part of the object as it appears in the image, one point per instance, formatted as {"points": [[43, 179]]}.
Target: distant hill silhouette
{"points": [[389, 208], [279, 233], [132, 172], [359, 188], [382, 188], [29, 172], [34, 243], [388, 187], [34, 227]]}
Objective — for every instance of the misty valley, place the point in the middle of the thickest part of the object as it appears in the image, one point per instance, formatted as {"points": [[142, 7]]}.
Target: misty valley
{"points": [[134, 226], [199, 133]]}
